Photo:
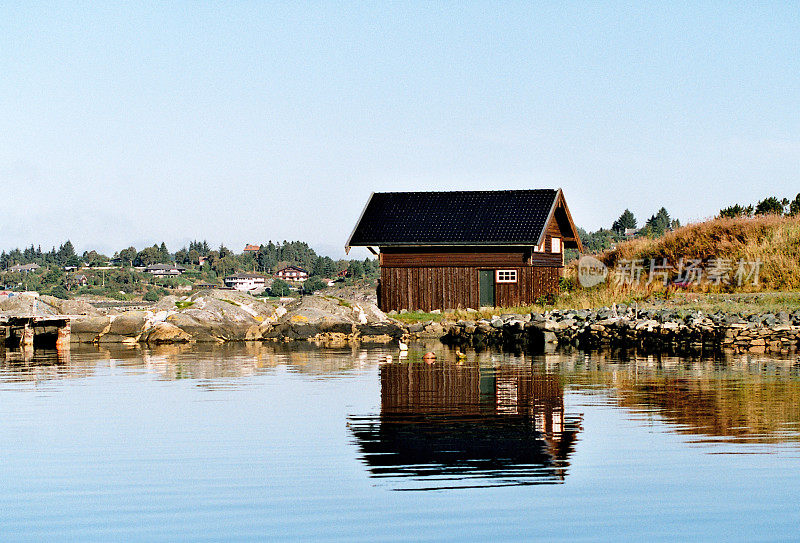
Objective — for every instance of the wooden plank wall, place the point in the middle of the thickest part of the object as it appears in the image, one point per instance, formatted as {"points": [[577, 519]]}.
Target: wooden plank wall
{"points": [[451, 287]]}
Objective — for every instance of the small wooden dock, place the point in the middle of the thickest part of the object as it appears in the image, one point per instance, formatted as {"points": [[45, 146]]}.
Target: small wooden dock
{"points": [[30, 331]]}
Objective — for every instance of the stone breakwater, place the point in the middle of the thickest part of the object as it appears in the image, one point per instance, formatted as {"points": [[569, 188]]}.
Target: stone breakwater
{"points": [[625, 327]]}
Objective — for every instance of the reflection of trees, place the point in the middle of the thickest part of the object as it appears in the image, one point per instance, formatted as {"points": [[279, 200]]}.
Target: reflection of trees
{"points": [[744, 409], [449, 425], [202, 361], [736, 397]]}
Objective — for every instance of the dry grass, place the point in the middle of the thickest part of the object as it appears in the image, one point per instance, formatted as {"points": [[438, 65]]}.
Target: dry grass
{"points": [[772, 239]]}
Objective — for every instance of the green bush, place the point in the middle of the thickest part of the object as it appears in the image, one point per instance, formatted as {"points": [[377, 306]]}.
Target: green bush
{"points": [[59, 292], [314, 283], [152, 296], [279, 288]]}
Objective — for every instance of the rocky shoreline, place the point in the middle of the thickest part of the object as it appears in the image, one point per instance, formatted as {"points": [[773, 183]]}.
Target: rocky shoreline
{"points": [[223, 316], [649, 330], [216, 316]]}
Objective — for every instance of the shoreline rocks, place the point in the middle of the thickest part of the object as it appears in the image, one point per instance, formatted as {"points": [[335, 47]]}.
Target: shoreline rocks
{"points": [[223, 316], [623, 327], [214, 316]]}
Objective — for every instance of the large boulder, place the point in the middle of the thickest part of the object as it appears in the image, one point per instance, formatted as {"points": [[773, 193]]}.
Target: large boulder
{"points": [[329, 319], [214, 320], [69, 307], [126, 328], [89, 329], [380, 332], [165, 332]]}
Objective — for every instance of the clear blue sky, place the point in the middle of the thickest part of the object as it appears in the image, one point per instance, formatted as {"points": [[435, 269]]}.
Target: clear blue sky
{"points": [[241, 122]]}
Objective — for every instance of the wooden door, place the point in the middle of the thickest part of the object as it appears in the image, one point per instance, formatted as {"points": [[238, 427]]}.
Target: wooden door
{"points": [[486, 287]]}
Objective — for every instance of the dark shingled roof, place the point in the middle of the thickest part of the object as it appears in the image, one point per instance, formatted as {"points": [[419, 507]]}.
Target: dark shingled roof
{"points": [[502, 217]]}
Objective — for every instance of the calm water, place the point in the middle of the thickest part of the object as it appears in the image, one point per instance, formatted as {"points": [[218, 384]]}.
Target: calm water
{"points": [[261, 442]]}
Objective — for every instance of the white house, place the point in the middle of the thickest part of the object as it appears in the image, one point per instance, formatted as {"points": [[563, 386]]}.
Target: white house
{"points": [[295, 274], [251, 282], [163, 270], [24, 268]]}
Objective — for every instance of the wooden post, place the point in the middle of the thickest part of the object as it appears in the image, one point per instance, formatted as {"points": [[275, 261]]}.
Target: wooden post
{"points": [[63, 338], [26, 341]]}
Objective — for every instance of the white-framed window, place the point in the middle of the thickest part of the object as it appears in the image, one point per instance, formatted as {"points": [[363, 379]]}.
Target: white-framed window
{"points": [[505, 276], [555, 245], [539, 248]]}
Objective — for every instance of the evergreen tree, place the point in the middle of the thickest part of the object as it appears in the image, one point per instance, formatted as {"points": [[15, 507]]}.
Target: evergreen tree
{"points": [[770, 206], [355, 269], [65, 253], [626, 220], [659, 223], [794, 206], [165, 256]]}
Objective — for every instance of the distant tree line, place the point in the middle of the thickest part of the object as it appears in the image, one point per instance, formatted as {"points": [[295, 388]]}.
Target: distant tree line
{"points": [[657, 225], [118, 276], [771, 205]]}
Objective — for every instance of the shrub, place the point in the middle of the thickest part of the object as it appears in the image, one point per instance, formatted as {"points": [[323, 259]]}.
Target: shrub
{"points": [[59, 291], [279, 288], [152, 296], [313, 284]]}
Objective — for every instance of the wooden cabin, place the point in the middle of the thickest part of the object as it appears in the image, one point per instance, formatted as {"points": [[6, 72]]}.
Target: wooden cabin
{"points": [[448, 250]]}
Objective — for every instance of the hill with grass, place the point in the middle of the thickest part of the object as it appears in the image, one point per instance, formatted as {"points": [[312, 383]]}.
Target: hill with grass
{"points": [[772, 240]]}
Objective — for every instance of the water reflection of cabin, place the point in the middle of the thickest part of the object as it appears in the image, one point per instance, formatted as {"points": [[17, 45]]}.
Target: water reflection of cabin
{"points": [[444, 250], [465, 423]]}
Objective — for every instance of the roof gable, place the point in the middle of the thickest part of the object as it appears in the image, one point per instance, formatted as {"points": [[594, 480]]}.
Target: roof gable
{"points": [[291, 268], [507, 217]]}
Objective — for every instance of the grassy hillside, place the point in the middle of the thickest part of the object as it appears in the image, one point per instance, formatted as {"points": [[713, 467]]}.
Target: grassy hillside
{"points": [[772, 239]]}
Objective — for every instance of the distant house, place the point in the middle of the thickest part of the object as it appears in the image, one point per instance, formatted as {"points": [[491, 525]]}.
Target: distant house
{"points": [[164, 270], [251, 248], [70, 268], [77, 280], [294, 274], [250, 282], [342, 274], [24, 268], [632, 232]]}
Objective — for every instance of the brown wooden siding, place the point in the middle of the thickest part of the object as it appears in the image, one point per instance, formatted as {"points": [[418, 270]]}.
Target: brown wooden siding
{"points": [[430, 278], [451, 287]]}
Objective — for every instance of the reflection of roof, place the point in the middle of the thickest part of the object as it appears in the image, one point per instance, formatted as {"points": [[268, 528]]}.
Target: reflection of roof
{"points": [[455, 218]]}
